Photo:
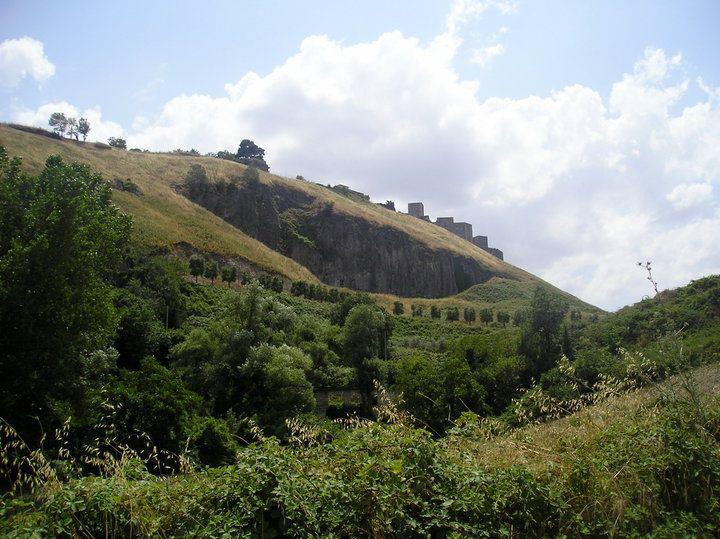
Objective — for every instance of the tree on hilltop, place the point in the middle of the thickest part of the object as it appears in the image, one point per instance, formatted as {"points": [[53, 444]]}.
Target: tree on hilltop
{"points": [[252, 155], [83, 128], [118, 142], [59, 122], [72, 128]]}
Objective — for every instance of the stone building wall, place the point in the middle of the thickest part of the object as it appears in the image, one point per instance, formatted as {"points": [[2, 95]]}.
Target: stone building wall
{"points": [[462, 229]]}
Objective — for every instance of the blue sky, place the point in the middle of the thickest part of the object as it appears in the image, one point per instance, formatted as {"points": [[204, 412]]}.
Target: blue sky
{"points": [[578, 135], [130, 57]]}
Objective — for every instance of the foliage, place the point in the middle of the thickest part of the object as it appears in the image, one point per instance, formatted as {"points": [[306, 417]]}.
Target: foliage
{"points": [[83, 127], [452, 314], [154, 402], [540, 341], [211, 270], [58, 122], [437, 392], [197, 266], [127, 185], [229, 274], [651, 468], [367, 330], [250, 154], [196, 181], [60, 237], [117, 142]]}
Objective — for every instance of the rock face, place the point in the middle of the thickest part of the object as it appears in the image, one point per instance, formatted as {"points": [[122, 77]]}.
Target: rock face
{"points": [[340, 249]]}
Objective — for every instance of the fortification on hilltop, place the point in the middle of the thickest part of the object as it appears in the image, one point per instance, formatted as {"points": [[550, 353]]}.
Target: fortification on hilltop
{"points": [[462, 229]]}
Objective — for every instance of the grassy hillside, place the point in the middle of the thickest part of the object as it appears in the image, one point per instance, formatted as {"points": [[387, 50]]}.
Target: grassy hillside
{"points": [[497, 294], [163, 218]]}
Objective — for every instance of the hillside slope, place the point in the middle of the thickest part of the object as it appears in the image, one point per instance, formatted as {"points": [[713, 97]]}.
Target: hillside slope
{"points": [[298, 229]]}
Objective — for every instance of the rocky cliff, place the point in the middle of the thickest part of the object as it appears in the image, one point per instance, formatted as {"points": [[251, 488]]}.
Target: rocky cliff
{"points": [[339, 248]]}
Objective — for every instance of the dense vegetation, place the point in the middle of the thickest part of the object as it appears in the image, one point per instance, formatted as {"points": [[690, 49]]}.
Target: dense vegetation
{"points": [[138, 400]]}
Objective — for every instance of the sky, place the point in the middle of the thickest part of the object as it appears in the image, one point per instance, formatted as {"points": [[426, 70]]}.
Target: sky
{"points": [[581, 137]]}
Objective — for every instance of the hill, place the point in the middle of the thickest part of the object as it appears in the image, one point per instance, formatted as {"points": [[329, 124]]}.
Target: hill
{"points": [[298, 229]]}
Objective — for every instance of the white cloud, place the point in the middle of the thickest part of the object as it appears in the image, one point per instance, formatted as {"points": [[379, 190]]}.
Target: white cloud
{"points": [[483, 56], [23, 57], [685, 196], [463, 11], [99, 129]]}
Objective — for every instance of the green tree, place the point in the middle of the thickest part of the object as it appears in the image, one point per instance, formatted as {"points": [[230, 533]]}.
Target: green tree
{"points": [[398, 308], [61, 237], [486, 316], [72, 128], [367, 330], [434, 312], [197, 266], [277, 387], [437, 391], [341, 311], [252, 155], [469, 315], [58, 122], [452, 314], [299, 288], [211, 271], [417, 310], [503, 318], [139, 332], [541, 339], [196, 181], [83, 127], [118, 142], [153, 401], [229, 274]]}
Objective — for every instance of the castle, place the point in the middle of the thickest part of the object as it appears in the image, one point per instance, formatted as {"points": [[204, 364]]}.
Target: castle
{"points": [[464, 230]]}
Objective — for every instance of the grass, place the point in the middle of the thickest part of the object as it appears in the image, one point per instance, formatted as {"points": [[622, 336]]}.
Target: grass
{"points": [[551, 447]]}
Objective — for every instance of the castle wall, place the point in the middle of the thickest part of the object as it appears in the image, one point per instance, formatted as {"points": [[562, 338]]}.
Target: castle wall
{"points": [[497, 253], [416, 209], [481, 241], [462, 229]]}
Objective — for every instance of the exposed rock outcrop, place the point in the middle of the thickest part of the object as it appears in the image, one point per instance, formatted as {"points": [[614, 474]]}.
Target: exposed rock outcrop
{"points": [[340, 249]]}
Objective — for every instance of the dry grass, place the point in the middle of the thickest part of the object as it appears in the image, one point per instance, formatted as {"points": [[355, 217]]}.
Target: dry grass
{"points": [[551, 447], [162, 218]]}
